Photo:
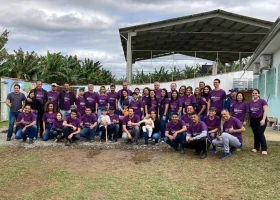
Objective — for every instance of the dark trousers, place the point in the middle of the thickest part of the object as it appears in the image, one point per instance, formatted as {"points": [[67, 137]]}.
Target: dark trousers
{"points": [[113, 131], [103, 133], [67, 131], [39, 121], [177, 141], [199, 145], [258, 130], [219, 114]]}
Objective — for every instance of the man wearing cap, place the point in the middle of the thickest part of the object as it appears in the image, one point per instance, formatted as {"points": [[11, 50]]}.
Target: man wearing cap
{"points": [[66, 100], [231, 99], [53, 95], [113, 128]]}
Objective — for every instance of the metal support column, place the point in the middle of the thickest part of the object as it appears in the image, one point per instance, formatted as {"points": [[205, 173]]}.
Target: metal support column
{"points": [[129, 57], [240, 61]]}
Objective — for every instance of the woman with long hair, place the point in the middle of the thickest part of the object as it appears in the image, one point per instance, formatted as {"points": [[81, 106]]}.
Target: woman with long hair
{"points": [[163, 113], [240, 108], [48, 119], [145, 95], [200, 104], [155, 134], [205, 96], [189, 99], [102, 100], [152, 103], [125, 99], [175, 105], [182, 92], [258, 120]]}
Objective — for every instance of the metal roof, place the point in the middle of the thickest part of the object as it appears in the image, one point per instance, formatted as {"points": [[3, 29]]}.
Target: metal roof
{"points": [[207, 32]]}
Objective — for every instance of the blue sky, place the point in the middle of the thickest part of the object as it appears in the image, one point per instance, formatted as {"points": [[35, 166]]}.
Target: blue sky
{"points": [[89, 28]]}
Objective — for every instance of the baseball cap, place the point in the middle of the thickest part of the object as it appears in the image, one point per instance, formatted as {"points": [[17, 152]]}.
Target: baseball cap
{"points": [[54, 84], [111, 108], [73, 107], [233, 90]]}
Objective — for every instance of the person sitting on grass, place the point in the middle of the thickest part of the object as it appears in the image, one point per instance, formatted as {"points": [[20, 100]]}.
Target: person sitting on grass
{"points": [[48, 119], [89, 125], [213, 123], [231, 137], [130, 127], [57, 127], [26, 121], [197, 137], [71, 128], [113, 128], [175, 132], [103, 122]]}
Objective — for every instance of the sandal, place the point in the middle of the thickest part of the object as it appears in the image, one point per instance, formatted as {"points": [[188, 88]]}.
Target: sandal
{"points": [[264, 152], [254, 150]]}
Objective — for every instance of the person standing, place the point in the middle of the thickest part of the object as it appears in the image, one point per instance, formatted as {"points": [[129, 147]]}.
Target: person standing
{"points": [[66, 100], [231, 99], [125, 87], [200, 107], [15, 101], [81, 102], [217, 97], [157, 90], [258, 120], [201, 86], [240, 108], [152, 103], [53, 95], [189, 99], [163, 111], [173, 86], [175, 105], [91, 98], [137, 106], [41, 96], [113, 97]]}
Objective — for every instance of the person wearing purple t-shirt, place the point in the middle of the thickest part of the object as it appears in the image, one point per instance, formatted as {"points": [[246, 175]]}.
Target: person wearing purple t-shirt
{"points": [[130, 127], [152, 103], [41, 96], [145, 96], [81, 102], [57, 127], [175, 105], [102, 100], [53, 95], [136, 105], [125, 99], [91, 98], [163, 111], [113, 97], [200, 106], [89, 125], [48, 119], [175, 132], [240, 108], [66, 99], [173, 86], [125, 87], [187, 117], [217, 97], [113, 128], [73, 108], [189, 99], [157, 90], [71, 128], [182, 92], [196, 137], [258, 120], [26, 123], [231, 137]]}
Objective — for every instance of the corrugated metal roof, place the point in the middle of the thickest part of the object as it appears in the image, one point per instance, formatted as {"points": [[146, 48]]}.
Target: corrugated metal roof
{"points": [[216, 30]]}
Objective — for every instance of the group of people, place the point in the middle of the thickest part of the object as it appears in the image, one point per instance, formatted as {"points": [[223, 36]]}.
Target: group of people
{"points": [[185, 118]]}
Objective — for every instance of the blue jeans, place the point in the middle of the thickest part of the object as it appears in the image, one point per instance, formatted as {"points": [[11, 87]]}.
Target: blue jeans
{"points": [[13, 118], [49, 133], [88, 133], [113, 131], [100, 110], [180, 138], [155, 136], [201, 117], [31, 132], [163, 123]]}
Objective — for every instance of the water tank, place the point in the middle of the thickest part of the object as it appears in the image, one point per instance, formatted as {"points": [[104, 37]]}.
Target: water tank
{"points": [[240, 83]]}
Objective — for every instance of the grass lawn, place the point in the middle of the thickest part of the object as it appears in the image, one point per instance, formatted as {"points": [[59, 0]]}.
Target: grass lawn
{"points": [[69, 173]]}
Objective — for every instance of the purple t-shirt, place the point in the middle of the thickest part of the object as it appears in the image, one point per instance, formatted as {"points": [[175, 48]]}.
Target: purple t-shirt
{"points": [[212, 124], [102, 100], [75, 122], [129, 92], [189, 100], [256, 108], [172, 128], [158, 93], [197, 130], [49, 118], [113, 117], [239, 110], [91, 99], [57, 125], [134, 119], [28, 119], [136, 105], [232, 102], [79, 116], [199, 104], [153, 105], [53, 97], [236, 124], [144, 100], [174, 105], [162, 103], [112, 98], [181, 98], [88, 120], [66, 103], [217, 99], [39, 95], [187, 120], [81, 105]]}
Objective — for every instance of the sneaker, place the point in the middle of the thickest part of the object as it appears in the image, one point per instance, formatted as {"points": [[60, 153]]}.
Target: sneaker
{"points": [[8, 138], [182, 151], [31, 141], [232, 149], [239, 148], [24, 139], [129, 141], [213, 150], [225, 155], [203, 155], [136, 142], [197, 152], [162, 140], [68, 143], [174, 149], [150, 139], [146, 144]]}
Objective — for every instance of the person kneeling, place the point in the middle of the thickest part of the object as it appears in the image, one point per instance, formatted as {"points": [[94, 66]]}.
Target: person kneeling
{"points": [[130, 127], [71, 128], [26, 122], [197, 137], [231, 137]]}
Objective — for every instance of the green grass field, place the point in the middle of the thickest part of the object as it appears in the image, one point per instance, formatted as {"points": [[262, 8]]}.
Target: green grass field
{"points": [[68, 173]]}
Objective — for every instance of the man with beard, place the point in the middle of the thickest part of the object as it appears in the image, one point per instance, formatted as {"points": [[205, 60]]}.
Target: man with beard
{"points": [[66, 100]]}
